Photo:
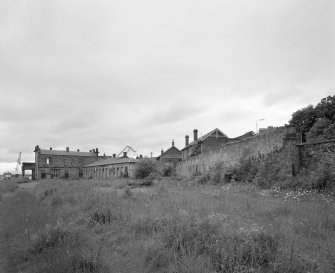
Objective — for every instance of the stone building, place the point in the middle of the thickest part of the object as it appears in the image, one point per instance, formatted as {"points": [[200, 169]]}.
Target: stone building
{"points": [[208, 142], [171, 155], [111, 167], [62, 163]]}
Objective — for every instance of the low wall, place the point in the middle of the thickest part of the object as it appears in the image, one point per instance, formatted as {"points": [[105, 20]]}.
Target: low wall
{"points": [[230, 153]]}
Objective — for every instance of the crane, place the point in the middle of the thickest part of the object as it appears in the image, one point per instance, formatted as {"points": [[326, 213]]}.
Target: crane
{"points": [[18, 164], [127, 149]]}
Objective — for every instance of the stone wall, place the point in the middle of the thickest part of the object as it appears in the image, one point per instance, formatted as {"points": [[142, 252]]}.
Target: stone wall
{"points": [[260, 145], [69, 163], [309, 152]]}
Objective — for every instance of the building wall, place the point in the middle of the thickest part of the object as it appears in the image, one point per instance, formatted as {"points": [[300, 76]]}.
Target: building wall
{"points": [[173, 155], [72, 164], [212, 143], [110, 171], [229, 154]]}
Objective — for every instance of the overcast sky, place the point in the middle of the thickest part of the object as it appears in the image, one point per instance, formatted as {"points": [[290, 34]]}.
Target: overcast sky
{"points": [[106, 74]]}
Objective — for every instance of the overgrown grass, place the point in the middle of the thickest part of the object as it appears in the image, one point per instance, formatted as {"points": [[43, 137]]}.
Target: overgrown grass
{"points": [[84, 226], [7, 186]]}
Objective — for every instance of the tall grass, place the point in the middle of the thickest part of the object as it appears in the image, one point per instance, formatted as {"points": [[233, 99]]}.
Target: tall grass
{"points": [[84, 226]]}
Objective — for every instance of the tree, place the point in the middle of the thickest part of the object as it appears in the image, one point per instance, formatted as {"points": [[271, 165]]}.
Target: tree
{"points": [[326, 108], [318, 122], [304, 119]]}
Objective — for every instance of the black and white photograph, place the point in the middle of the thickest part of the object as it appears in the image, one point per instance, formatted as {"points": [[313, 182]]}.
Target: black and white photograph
{"points": [[152, 136]]}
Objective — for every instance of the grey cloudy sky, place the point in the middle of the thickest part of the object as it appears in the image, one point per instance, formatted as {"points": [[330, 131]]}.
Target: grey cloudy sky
{"points": [[107, 74]]}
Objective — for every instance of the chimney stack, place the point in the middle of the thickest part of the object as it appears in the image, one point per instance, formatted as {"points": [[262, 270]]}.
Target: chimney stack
{"points": [[172, 142], [67, 149], [114, 155], [195, 134], [78, 150], [97, 151], [162, 151], [50, 148], [187, 140], [125, 154], [90, 151]]}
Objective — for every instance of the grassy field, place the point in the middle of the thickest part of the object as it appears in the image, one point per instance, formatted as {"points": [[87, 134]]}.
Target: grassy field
{"points": [[171, 226]]}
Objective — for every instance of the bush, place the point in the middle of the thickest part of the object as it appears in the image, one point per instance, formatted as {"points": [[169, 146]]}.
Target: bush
{"points": [[271, 171], [145, 167], [168, 170], [245, 171], [323, 177]]}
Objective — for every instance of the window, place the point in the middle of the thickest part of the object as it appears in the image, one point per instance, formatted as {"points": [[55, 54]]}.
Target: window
{"points": [[80, 173], [42, 173], [66, 173], [48, 160], [55, 173]]}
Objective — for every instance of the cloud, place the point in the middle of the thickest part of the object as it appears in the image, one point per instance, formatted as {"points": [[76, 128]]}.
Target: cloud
{"points": [[113, 73], [178, 112]]}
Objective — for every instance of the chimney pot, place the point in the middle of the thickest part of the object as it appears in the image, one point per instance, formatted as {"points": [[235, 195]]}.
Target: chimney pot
{"points": [[195, 134], [67, 149], [114, 155], [78, 150], [90, 151], [187, 140], [162, 151], [50, 148], [172, 142]]}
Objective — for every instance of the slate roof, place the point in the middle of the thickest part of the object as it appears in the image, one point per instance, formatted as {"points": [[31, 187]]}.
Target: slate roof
{"points": [[72, 153], [171, 156], [111, 161], [204, 137]]}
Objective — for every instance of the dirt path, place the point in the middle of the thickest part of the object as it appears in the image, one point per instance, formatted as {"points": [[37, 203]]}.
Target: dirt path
{"points": [[22, 187]]}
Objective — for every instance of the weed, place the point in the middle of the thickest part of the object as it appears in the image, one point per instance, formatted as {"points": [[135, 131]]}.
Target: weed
{"points": [[8, 186], [47, 193], [203, 178]]}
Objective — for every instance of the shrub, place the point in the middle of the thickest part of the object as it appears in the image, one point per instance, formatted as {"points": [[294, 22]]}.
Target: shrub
{"points": [[168, 170], [323, 177], [270, 171], [145, 167], [244, 171]]}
